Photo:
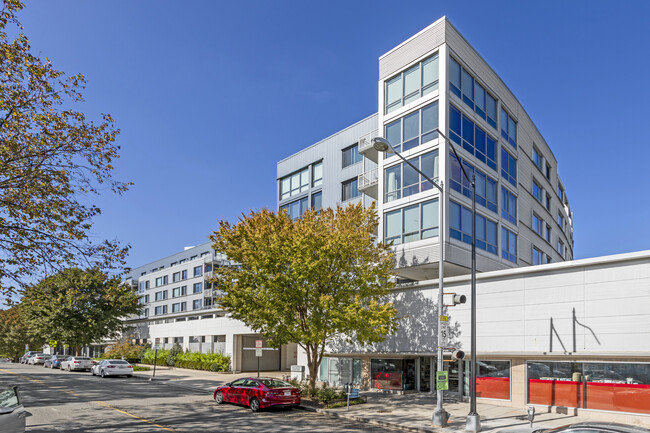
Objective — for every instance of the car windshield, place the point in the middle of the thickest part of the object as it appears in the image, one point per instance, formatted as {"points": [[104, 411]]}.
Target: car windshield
{"points": [[118, 362], [276, 383]]}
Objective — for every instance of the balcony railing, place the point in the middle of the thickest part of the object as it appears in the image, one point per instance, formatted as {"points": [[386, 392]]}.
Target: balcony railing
{"points": [[368, 182], [365, 146]]}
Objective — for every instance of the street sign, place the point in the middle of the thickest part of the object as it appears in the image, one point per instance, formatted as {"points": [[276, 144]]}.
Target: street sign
{"points": [[442, 380], [443, 332], [258, 352], [258, 344], [26, 348], [52, 343], [156, 346]]}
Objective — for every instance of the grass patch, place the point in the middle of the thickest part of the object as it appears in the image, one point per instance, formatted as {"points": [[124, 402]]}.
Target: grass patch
{"points": [[344, 403], [140, 368]]}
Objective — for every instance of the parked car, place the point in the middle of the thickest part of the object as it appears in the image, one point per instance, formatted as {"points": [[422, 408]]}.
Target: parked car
{"points": [[38, 358], [112, 367], [76, 363], [595, 427], [258, 393], [12, 413], [25, 357], [54, 361]]}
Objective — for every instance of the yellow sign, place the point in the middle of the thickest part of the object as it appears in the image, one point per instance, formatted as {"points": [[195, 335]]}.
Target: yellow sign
{"points": [[444, 318], [53, 343]]}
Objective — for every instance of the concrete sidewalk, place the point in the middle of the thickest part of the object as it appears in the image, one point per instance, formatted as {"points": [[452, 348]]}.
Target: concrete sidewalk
{"points": [[411, 412]]}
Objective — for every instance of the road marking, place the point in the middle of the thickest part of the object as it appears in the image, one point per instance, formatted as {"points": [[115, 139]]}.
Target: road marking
{"points": [[103, 403], [39, 382]]}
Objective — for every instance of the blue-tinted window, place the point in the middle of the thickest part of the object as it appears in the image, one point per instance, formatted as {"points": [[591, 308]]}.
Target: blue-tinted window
{"points": [[350, 190], [402, 180], [351, 156], [508, 206], [537, 225], [296, 208], [486, 234], [537, 191], [412, 223], [460, 227], [508, 245], [317, 200], [463, 85], [508, 128], [537, 159], [560, 247], [409, 85], [560, 220], [486, 187], [472, 138], [508, 167], [537, 256], [198, 287], [414, 129]]}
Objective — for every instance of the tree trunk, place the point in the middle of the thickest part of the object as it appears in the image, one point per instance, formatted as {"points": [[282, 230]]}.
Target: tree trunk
{"points": [[313, 367]]}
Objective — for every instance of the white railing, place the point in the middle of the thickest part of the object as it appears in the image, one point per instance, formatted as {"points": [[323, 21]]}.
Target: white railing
{"points": [[368, 178]]}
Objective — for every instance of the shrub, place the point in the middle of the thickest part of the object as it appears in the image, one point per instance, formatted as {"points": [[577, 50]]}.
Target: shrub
{"points": [[130, 352], [173, 354]]}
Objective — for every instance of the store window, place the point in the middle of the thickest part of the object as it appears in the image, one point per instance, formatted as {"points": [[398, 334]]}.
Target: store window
{"points": [[492, 379], [393, 374], [612, 386]]}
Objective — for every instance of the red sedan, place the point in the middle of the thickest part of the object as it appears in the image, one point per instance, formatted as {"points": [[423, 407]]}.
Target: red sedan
{"points": [[258, 393]]}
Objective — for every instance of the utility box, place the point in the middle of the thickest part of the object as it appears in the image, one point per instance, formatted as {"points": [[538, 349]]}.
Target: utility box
{"points": [[298, 372]]}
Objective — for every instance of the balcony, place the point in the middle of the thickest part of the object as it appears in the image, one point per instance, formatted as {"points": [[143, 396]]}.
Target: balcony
{"points": [[365, 146], [368, 183]]}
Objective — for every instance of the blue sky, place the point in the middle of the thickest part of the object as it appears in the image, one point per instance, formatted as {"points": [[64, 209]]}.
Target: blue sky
{"points": [[209, 95]]}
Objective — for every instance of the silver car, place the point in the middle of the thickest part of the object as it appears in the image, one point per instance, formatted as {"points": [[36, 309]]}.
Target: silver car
{"points": [[12, 413], [38, 358], [77, 363], [112, 367]]}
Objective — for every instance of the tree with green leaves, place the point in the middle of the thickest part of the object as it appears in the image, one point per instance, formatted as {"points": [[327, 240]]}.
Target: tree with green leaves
{"points": [[15, 333], [308, 281], [79, 307], [52, 159]]}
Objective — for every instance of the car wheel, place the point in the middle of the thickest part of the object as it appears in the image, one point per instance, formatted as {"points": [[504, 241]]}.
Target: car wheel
{"points": [[218, 397], [129, 375], [92, 371], [102, 374], [255, 404], [44, 366]]}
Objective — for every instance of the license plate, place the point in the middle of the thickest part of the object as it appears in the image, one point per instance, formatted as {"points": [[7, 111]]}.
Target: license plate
{"points": [[287, 393]]}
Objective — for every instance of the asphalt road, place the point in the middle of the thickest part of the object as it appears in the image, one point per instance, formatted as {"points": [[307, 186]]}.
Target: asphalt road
{"points": [[77, 402]]}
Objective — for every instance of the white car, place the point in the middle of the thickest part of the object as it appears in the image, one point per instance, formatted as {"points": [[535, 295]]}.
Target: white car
{"points": [[77, 363], [12, 413], [112, 367], [38, 358]]}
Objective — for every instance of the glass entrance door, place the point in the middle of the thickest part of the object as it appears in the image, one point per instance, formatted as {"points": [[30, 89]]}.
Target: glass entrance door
{"points": [[425, 374], [454, 376]]}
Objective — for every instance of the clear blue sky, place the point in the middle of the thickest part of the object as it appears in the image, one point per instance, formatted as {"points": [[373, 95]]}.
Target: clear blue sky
{"points": [[209, 95]]}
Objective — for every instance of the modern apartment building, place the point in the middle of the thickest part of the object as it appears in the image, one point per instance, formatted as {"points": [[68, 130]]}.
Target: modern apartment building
{"points": [[180, 306], [436, 82], [537, 335]]}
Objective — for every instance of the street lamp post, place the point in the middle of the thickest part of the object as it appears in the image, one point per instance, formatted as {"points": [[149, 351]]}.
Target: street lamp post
{"points": [[473, 422], [440, 416]]}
